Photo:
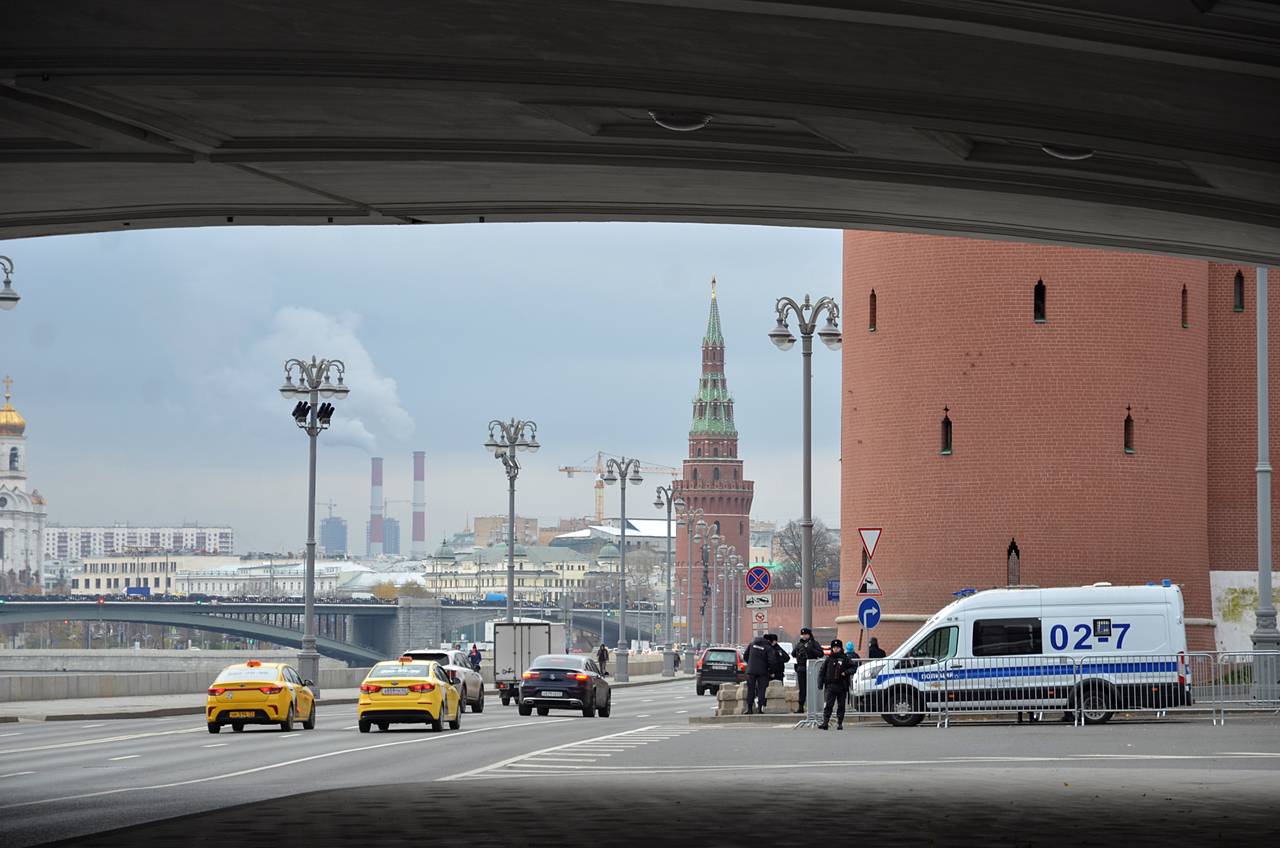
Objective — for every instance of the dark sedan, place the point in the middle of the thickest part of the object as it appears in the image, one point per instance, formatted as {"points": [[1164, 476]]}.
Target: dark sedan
{"points": [[565, 682]]}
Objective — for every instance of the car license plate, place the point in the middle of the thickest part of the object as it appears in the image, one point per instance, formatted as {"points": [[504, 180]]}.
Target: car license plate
{"points": [[719, 667], [553, 694], [396, 691], [242, 714]]}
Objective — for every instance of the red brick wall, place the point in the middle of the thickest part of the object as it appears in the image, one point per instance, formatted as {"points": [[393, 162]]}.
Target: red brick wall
{"points": [[1037, 411], [1233, 428]]}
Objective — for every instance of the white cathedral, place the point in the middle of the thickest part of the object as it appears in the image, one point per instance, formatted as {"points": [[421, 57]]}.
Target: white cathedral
{"points": [[22, 512]]}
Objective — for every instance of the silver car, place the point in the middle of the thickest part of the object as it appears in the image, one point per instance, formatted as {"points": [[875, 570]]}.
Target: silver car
{"points": [[469, 682]]}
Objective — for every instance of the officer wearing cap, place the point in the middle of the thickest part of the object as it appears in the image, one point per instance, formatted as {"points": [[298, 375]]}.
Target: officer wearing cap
{"points": [[803, 651], [834, 680]]}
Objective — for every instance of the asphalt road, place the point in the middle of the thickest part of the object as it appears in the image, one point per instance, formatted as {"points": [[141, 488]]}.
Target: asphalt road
{"points": [[643, 776]]}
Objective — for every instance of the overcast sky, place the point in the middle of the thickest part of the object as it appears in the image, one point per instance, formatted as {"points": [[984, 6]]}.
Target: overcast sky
{"points": [[146, 364]]}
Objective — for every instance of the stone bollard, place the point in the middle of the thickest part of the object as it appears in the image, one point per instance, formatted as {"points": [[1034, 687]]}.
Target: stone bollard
{"points": [[730, 699], [776, 699]]}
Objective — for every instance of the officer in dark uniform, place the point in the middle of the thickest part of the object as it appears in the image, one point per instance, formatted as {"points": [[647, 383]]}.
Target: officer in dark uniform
{"points": [[834, 681], [802, 652], [756, 660]]}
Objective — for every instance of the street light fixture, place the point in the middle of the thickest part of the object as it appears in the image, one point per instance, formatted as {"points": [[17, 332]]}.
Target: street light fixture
{"points": [[807, 315], [315, 380], [692, 519], [8, 297], [666, 497], [506, 438], [623, 471]]}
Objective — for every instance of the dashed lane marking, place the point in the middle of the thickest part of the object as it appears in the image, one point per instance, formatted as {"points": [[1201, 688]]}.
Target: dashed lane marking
{"points": [[125, 757], [574, 757], [16, 774], [90, 726], [101, 741], [418, 740], [5, 735], [215, 745]]}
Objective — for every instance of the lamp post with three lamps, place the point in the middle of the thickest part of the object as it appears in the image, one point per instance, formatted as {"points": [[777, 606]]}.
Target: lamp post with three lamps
{"points": [[315, 381], [505, 439], [693, 524], [8, 297], [807, 315], [666, 498], [622, 471]]}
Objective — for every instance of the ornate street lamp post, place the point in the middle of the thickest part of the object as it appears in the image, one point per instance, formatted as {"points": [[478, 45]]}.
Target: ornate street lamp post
{"points": [[666, 499], [692, 519], [505, 439], [807, 317], [8, 297], [622, 471], [315, 381]]}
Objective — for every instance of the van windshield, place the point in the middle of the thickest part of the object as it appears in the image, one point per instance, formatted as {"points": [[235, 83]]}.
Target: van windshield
{"points": [[939, 645]]}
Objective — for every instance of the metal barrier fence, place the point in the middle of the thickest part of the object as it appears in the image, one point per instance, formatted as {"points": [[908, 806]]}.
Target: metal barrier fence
{"points": [[1085, 690]]}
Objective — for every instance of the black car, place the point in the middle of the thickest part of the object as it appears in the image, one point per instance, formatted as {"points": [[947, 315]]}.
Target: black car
{"points": [[717, 666], [565, 682]]}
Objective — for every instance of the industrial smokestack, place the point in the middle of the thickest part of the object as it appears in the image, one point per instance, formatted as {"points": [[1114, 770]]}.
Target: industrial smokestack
{"points": [[418, 550], [375, 509]]}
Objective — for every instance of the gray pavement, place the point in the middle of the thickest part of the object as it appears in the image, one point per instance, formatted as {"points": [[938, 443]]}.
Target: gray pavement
{"points": [[644, 775]]}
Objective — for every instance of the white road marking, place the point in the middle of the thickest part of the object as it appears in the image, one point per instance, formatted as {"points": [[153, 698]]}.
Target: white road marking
{"points": [[125, 757], [647, 701], [645, 715], [16, 774], [418, 740], [90, 726], [521, 757], [3, 735], [215, 745], [103, 741], [680, 712], [352, 727]]}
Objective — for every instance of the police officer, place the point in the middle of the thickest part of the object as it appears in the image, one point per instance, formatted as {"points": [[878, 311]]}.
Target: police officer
{"points": [[757, 662], [803, 651], [834, 681], [777, 659]]}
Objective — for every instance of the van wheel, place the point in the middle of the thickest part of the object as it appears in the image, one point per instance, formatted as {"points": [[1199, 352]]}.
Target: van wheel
{"points": [[702, 690], [506, 699], [1095, 706], [905, 707]]}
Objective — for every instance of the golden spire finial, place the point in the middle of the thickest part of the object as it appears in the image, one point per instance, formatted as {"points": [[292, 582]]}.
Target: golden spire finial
{"points": [[713, 286]]}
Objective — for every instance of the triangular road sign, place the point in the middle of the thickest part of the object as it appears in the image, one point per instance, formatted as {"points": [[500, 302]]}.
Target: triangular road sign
{"points": [[870, 535], [869, 585]]}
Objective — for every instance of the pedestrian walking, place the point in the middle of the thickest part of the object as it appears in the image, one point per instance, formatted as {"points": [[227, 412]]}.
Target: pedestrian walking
{"points": [[874, 651], [802, 652], [834, 681], [602, 657], [757, 662], [473, 657], [778, 657], [676, 657]]}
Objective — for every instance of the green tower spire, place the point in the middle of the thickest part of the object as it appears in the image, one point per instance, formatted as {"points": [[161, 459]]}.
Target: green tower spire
{"points": [[713, 405]]}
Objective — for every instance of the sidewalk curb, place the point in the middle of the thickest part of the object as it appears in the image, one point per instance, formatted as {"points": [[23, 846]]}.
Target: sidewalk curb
{"points": [[161, 712], [631, 683]]}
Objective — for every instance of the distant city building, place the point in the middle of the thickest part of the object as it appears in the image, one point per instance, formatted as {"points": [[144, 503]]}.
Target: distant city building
{"points": [[22, 512], [492, 530], [333, 536], [390, 538], [63, 543], [116, 574], [566, 525]]}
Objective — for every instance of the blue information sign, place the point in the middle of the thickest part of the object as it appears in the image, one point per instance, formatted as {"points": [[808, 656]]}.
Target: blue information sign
{"points": [[833, 590], [758, 579], [869, 613]]}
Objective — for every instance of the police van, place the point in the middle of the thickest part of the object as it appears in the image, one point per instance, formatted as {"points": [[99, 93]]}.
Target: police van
{"points": [[1093, 649]]}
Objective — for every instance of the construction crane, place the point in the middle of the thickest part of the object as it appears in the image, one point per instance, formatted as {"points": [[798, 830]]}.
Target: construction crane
{"points": [[598, 470], [330, 504]]}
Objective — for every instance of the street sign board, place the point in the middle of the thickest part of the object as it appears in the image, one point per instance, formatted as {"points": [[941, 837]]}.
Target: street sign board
{"points": [[759, 601], [758, 579], [869, 613], [833, 590], [870, 535], [760, 616], [869, 584]]}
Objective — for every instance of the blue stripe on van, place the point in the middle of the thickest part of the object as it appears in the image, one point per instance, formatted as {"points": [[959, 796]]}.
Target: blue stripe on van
{"points": [[1149, 667]]}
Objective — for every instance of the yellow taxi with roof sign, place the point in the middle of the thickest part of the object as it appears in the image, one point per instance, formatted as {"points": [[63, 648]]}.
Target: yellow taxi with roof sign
{"points": [[255, 692], [408, 691]]}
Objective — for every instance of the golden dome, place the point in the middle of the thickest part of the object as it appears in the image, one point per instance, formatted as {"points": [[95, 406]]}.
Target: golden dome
{"points": [[11, 422]]}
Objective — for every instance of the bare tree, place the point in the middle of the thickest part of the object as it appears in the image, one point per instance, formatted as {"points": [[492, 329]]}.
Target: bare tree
{"points": [[826, 554]]}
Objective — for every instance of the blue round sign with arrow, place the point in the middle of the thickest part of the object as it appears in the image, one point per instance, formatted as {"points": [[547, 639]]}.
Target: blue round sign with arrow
{"points": [[869, 613]]}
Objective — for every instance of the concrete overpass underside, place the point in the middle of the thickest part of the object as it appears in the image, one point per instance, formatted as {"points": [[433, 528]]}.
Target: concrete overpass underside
{"points": [[1136, 124]]}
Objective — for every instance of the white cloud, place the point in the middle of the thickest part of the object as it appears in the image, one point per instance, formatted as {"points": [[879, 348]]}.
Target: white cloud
{"points": [[373, 407]]}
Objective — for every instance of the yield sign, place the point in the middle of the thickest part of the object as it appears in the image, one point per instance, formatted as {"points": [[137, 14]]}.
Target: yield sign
{"points": [[869, 584], [870, 535]]}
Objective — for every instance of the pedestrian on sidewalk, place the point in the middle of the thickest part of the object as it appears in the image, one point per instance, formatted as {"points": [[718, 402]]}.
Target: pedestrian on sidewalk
{"points": [[757, 662], [874, 651], [777, 658], [602, 657], [473, 657], [834, 681], [802, 652]]}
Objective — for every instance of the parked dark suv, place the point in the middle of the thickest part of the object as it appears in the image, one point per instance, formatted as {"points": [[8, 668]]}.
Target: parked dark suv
{"points": [[719, 665]]}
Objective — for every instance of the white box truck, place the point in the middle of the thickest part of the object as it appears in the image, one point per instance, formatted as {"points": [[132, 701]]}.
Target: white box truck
{"points": [[515, 645]]}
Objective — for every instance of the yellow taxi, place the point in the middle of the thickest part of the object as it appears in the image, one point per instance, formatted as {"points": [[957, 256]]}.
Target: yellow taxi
{"points": [[408, 691], [255, 692]]}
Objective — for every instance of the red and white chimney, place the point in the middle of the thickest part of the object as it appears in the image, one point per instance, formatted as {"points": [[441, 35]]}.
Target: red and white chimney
{"points": [[419, 548], [375, 509]]}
